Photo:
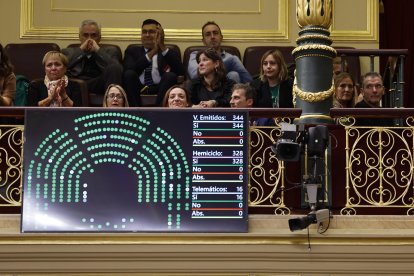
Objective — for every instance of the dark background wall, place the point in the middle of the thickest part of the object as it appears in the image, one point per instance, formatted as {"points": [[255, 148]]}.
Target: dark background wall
{"points": [[397, 32]]}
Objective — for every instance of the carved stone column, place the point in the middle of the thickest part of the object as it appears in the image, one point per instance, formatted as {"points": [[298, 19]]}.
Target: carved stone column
{"points": [[313, 85]]}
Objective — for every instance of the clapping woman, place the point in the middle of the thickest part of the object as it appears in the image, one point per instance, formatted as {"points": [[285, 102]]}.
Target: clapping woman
{"points": [[56, 90]]}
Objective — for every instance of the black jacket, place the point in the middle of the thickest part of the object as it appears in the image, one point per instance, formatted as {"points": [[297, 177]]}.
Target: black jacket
{"points": [[136, 60], [264, 97], [76, 68], [37, 91]]}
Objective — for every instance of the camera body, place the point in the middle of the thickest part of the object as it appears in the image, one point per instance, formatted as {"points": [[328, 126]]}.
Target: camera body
{"points": [[319, 216], [287, 148], [290, 147]]}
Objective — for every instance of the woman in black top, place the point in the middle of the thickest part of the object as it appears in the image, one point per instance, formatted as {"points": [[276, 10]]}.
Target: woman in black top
{"points": [[212, 88], [274, 87], [56, 90]]}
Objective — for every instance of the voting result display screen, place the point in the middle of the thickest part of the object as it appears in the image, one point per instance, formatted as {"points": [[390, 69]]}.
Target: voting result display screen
{"points": [[132, 170]]}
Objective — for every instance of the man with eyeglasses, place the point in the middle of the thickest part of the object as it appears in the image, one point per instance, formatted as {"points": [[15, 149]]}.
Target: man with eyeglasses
{"points": [[212, 38], [151, 68], [372, 91], [97, 66]]}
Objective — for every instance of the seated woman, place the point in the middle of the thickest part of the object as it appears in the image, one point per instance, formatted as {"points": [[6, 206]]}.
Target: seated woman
{"points": [[211, 88], [177, 97], [56, 90], [274, 87], [115, 96], [344, 94], [7, 80]]}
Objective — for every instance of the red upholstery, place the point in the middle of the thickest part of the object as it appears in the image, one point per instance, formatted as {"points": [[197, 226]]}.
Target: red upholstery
{"points": [[27, 58], [253, 55]]}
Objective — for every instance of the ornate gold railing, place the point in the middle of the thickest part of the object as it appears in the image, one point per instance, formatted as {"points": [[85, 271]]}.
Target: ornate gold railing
{"points": [[379, 167], [372, 169], [379, 163], [266, 188], [11, 158]]}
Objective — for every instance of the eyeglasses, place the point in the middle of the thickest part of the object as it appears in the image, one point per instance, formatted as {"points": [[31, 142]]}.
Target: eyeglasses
{"points": [[344, 85], [372, 86], [115, 96]]}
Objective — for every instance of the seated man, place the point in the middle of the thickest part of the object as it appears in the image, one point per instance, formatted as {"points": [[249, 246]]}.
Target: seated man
{"points": [[372, 91], [212, 38], [98, 66], [151, 68], [243, 96]]}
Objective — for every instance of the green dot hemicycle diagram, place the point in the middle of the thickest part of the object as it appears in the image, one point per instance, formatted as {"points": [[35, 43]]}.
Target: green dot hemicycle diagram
{"points": [[98, 160]]}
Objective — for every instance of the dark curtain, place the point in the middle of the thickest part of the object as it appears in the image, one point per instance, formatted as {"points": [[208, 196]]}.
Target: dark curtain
{"points": [[396, 31]]}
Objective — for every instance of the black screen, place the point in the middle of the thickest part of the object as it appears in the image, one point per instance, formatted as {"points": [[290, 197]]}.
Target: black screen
{"points": [[106, 170]]}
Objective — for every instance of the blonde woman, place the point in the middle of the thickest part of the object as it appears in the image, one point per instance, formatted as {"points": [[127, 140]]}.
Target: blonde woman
{"points": [[345, 93], [56, 90], [274, 87], [115, 96]]}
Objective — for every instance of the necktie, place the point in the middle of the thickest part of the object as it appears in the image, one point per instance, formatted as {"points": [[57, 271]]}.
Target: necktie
{"points": [[148, 75]]}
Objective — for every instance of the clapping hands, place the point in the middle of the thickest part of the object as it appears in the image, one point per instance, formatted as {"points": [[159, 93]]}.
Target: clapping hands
{"points": [[57, 89], [158, 42]]}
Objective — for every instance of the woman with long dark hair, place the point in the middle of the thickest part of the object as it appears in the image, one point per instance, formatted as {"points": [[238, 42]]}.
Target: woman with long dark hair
{"points": [[212, 88]]}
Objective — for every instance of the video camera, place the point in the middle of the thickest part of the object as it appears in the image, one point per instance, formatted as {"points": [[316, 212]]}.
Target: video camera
{"points": [[290, 147], [290, 144]]}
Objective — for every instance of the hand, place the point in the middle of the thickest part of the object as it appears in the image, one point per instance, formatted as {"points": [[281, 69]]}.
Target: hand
{"points": [[89, 46], [207, 104], [158, 43], [160, 39], [52, 88], [60, 88], [197, 106]]}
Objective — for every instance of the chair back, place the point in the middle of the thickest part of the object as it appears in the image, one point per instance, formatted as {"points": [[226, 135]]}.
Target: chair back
{"points": [[253, 56], [187, 52], [27, 58], [82, 85]]}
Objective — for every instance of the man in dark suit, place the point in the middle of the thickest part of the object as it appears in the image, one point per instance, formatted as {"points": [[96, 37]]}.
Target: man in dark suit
{"points": [[151, 68], [98, 66]]}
